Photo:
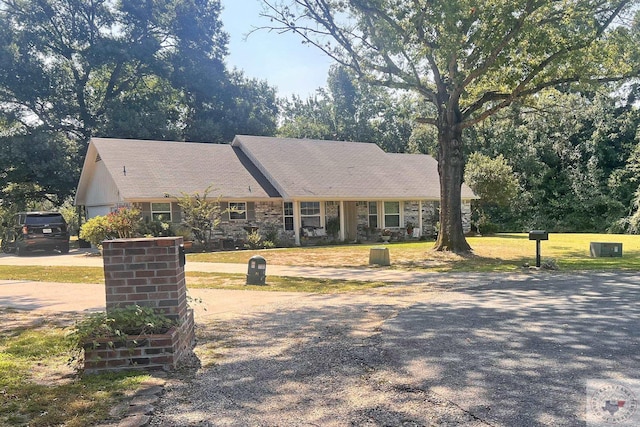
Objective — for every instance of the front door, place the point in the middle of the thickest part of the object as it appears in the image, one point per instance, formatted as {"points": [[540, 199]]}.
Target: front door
{"points": [[350, 221]]}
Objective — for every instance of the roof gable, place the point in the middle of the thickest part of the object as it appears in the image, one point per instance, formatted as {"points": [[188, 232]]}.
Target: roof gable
{"points": [[150, 169], [316, 169]]}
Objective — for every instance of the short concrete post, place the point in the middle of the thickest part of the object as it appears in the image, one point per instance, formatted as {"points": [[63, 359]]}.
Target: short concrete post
{"points": [[379, 256]]}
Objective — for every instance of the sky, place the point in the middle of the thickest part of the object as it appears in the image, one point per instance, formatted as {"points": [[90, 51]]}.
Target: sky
{"points": [[280, 59]]}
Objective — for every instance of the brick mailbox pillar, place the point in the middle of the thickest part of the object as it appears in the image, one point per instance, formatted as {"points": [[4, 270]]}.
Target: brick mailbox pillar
{"points": [[147, 272]]}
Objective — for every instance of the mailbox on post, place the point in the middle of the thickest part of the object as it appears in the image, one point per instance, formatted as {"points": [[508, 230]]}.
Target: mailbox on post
{"points": [[538, 235], [257, 271]]}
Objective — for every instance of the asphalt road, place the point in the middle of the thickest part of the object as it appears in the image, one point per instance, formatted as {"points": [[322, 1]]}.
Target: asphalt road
{"points": [[518, 352]]}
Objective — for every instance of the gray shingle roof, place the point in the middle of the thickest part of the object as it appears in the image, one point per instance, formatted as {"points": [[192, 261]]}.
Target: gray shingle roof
{"points": [[154, 168], [318, 169], [265, 167]]}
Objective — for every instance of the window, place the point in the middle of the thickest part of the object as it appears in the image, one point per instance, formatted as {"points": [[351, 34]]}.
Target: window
{"points": [[237, 210], [161, 212], [373, 214], [392, 214], [288, 216], [310, 214]]}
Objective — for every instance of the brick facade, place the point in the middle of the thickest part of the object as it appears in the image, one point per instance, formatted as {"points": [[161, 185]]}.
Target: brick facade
{"points": [[268, 218]]}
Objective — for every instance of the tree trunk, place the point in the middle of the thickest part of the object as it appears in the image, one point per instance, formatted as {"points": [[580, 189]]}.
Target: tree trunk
{"points": [[451, 171]]}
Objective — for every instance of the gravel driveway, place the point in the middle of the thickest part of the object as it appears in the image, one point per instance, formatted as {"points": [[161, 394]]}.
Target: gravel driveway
{"points": [[476, 351]]}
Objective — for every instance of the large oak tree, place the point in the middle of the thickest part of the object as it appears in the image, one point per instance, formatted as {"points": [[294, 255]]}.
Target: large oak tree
{"points": [[469, 59]]}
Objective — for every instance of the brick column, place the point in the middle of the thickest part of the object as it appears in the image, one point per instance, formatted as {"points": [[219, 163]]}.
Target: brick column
{"points": [[145, 272]]}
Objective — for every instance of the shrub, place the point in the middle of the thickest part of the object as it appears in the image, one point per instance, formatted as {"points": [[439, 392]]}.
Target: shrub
{"points": [[254, 240], [201, 214], [157, 229], [270, 232], [123, 223], [95, 230], [268, 244]]}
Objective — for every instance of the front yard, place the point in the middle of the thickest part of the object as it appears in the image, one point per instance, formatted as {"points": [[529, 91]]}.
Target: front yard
{"points": [[38, 388], [500, 253]]}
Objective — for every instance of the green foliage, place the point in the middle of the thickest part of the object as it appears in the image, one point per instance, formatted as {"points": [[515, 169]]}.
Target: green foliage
{"points": [[630, 224], [36, 166], [495, 183], [469, 60], [333, 226], [70, 214], [492, 180], [157, 229], [254, 240], [121, 324], [201, 214], [270, 232], [560, 149], [268, 244], [123, 223], [124, 69], [95, 230], [350, 110]]}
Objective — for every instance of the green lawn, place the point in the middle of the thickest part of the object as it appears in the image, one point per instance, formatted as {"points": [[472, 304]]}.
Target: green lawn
{"points": [[503, 252], [38, 388]]}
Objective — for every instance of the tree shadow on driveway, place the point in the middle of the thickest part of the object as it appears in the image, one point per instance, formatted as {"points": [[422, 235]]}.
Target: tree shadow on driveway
{"points": [[519, 352], [509, 351]]}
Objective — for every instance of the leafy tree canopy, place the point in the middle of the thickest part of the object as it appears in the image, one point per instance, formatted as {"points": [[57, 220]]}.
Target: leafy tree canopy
{"points": [[469, 59], [72, 69]]}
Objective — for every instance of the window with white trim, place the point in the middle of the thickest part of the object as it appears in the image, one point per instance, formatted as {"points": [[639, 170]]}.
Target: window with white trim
{"points": [[288, 216], [392, 214], [310, 214], [161, 212], [237, 211], [373, 214]]}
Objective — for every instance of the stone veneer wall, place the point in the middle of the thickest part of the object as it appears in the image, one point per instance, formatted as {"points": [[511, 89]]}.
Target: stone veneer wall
{"points": [[145, 272], [268, 216]]}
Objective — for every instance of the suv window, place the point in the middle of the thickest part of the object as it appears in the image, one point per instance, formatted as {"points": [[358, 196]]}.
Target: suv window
{"points": [[44, 219]]}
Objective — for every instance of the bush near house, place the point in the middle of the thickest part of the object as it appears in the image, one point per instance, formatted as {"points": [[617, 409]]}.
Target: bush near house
{"points": [[121, 224]]}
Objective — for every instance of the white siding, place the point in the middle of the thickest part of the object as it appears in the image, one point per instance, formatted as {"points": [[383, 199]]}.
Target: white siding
{"points": [[101, 190]]}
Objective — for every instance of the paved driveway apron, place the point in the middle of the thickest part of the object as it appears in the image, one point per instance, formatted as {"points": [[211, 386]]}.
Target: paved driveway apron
{"points": [[490, 350], [518, 352]]}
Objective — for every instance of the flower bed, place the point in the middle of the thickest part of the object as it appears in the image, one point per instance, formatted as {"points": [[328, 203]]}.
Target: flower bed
{"points": [[143, 352]]}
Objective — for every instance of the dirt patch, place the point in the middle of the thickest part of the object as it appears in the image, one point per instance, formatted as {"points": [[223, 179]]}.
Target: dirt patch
{"points": [[13, 321], [53, 370]]}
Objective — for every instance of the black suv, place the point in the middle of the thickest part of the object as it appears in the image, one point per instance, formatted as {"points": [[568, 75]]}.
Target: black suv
{"points": [[30, 231]]}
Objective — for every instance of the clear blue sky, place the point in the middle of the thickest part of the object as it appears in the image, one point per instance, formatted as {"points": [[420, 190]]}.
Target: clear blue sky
{"points": [[281, 59]]}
